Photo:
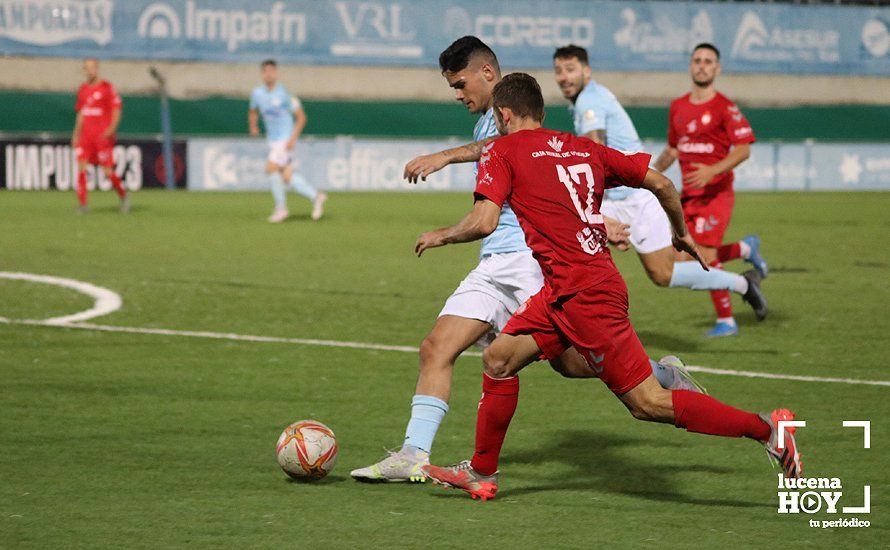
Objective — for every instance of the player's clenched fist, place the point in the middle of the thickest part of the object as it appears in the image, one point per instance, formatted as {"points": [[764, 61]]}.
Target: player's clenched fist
{"points": [[421, 167]]}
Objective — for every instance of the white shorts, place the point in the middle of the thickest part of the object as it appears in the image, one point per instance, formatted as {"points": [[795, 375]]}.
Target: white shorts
{"points": [[650, 228], [279, 155], [495, 289]]}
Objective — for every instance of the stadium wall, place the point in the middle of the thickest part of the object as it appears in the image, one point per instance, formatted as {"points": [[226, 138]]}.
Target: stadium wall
{"points": [[188, 80], [53, 112]]}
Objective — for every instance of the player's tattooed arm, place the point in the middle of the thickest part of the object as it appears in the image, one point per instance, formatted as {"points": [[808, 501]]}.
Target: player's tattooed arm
{"points": [[597, 136], [480, 222], [424, 165], [665, 159], [667, 196], [702, 174], [253, 119]]}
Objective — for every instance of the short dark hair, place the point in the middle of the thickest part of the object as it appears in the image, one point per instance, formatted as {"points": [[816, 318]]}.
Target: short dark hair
{"points": [[707, 46], [268, 62], [520, 93], [570, 51], [457, 56]]}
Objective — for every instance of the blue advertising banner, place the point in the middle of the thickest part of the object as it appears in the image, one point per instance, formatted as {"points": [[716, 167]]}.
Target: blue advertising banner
{"points": [[620, 35], [360, 164]]}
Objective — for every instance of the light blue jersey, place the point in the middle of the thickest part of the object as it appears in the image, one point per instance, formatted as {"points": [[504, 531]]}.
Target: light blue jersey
{"points": [[597, 108], [508, 236], [277, 108]]}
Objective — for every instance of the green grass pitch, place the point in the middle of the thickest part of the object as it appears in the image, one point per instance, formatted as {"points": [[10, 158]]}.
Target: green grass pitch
{"points": [[140, 440]]}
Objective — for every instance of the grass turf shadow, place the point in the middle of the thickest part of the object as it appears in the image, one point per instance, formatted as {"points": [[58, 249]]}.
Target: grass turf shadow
{"points": [[596, 466]]}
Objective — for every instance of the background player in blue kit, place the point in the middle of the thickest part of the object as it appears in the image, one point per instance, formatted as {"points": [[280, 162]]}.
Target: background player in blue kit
{"points": [[598, 115], [279, 109]]}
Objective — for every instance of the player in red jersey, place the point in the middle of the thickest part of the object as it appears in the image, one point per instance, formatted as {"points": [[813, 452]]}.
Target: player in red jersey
{"points": [[710, 136], [98, 110], [554, 182]]}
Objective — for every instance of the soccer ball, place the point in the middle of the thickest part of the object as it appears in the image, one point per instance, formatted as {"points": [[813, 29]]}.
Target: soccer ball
{"points": [[307, 450]]}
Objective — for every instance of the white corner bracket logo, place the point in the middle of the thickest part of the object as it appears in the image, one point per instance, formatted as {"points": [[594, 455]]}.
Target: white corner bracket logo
{"points": [[54, 22], [822, 494], [159, 20]]}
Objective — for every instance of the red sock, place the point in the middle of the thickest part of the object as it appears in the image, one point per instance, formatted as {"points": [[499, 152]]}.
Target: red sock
{"points": [[82, 187], [729, 252], [703, 414], [118, 186], [722, 298], [496, 408]]}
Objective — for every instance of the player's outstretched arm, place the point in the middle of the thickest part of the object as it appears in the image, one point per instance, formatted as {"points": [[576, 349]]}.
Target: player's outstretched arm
{"points": [[424, 165], [477, 224], [667, 195], [666, 158]]}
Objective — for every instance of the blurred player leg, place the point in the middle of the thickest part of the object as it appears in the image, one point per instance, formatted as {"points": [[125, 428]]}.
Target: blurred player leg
{"points": [[277, 185], [82, 187], [747, 249], [299, 184]]}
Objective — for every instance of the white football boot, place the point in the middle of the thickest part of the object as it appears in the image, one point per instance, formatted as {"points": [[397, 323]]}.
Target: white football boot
{"points": [[399, 466], [279, 215]]}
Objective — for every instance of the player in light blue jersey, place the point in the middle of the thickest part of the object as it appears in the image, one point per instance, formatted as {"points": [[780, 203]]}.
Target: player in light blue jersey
{"points": [[278, 110], [598, 115], [507, 276]]}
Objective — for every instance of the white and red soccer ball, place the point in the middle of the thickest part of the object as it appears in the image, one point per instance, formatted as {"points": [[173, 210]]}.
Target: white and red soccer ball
{"points": [[307, 450]]}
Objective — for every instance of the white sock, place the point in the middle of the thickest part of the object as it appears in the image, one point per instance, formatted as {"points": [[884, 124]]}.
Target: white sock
{"points": [[744, 250], [740, 285]]}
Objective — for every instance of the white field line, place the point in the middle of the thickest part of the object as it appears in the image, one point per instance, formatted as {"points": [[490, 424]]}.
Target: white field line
{"points": [[402, 349], [108, 301]]}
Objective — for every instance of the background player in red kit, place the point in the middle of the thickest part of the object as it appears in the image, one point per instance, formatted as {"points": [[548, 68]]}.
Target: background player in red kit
{"points": [[98, 110], [554, 182], [710, 136]]}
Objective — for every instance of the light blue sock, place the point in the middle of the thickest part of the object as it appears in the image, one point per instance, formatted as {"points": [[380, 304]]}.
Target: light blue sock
{"points": [[691, 275], [298, 182], [277, 185], [427, 413]]}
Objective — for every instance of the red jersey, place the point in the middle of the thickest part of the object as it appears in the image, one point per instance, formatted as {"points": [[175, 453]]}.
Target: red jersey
{"points": [[96, 102], [554, 182], [703, 133]]}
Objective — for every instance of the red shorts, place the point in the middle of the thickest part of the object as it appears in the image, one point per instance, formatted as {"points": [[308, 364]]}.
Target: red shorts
{"points": [[707, 217], [596, 323], [95, 150]]}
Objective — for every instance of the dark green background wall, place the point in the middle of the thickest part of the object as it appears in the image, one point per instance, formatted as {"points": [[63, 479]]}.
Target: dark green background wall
{"points": [[45, 112]]}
